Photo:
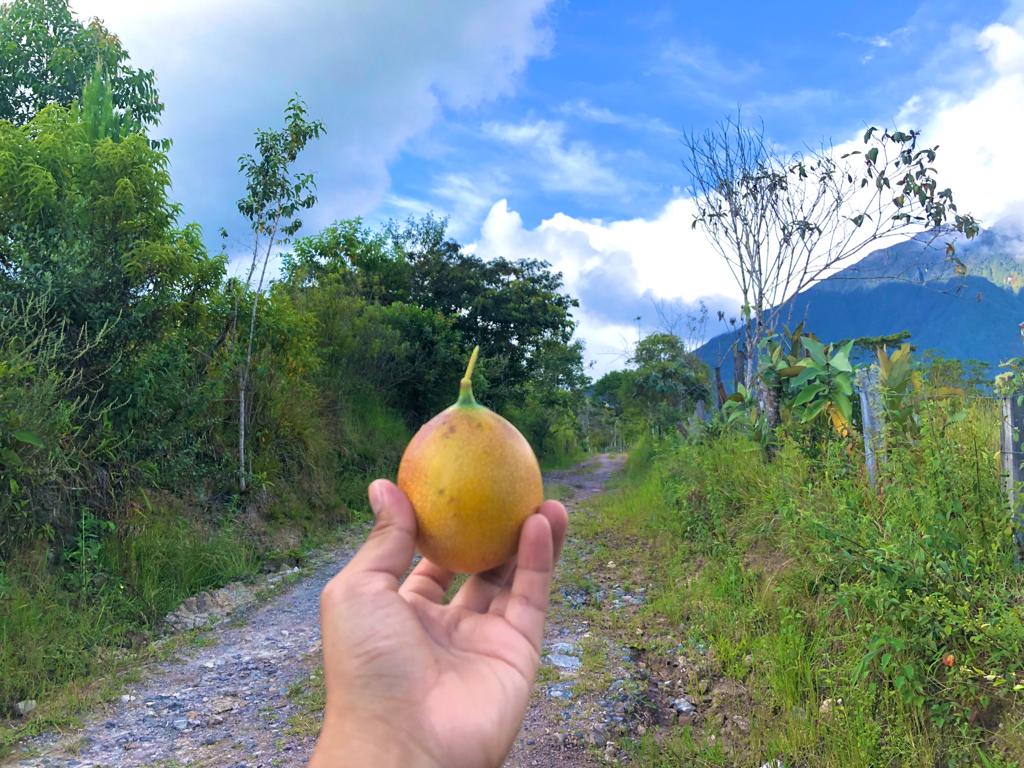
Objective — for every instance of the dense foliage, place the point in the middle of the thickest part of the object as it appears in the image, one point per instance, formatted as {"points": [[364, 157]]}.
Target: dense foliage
{"points": [[866, 625], [47, 56], [125, 349]]}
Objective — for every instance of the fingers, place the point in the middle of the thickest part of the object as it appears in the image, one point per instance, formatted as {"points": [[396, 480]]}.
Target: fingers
{"points": [[392, 542], [528, 598], [479, 590], [555, 512], [428, 580]]}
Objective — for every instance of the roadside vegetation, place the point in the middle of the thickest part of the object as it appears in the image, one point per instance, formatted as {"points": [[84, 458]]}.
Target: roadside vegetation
{"points": [[862, 625], [170, 422]]}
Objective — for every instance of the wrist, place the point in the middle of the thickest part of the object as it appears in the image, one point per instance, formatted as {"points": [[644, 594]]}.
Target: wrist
{"points": [[367, 742]]}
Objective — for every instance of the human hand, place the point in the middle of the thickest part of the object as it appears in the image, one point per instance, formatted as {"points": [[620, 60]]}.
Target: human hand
{"points": [[414, 682]]}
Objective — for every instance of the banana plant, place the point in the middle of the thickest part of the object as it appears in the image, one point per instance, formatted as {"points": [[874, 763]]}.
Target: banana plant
{"points": [[822, 383], [810, 378]]}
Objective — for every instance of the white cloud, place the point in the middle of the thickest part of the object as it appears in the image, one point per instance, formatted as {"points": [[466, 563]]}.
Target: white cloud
{"points": [[583, 109], [704, 62], [378, 73], [619, 265], [559, 164], [978, 129]]}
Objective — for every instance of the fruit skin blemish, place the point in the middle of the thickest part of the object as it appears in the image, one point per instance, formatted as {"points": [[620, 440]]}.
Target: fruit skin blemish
{"points": [[473, 479]]}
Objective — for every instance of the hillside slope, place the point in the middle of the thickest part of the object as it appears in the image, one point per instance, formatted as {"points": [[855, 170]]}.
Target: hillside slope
{"points": [[911, 287]]}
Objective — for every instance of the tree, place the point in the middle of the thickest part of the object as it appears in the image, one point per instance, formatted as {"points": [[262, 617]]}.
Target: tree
{"points": [[668, 381], [275, 194], [87, 223], [47, 56], [511, 308], [782, 223]]}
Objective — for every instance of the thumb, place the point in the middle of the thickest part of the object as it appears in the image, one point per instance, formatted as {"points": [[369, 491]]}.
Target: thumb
{"points": [[392, 542]]}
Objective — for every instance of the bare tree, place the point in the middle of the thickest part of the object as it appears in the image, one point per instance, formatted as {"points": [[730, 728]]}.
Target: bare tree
{"points": [[784, 222]]}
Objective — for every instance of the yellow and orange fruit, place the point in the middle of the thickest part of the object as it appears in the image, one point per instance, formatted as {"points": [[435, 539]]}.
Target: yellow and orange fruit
{"points": [[472, 479]]}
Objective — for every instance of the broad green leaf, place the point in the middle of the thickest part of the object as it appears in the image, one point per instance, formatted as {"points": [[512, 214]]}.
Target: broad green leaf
{"points": [[841, 361], [808, 374], [842, 402], [816, 350], [809, 393], [814, 411], [25, 436]]}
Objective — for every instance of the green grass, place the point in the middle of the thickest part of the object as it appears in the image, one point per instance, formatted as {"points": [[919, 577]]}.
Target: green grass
{"points": [[556, 461], [309, 697], [75, 636], [804, 584], [559, 491]]}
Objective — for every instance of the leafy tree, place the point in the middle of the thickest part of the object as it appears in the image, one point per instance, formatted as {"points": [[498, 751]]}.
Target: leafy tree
{"points": [[275, 194], [47, 56], [87, 223], [668, 381], [511, 308]]}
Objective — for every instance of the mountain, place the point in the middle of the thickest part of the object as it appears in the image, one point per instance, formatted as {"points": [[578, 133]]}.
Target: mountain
{"points": [[971, 309]]}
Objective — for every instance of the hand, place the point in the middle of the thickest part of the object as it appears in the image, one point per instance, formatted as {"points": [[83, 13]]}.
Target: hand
{"points": [[412, 681]]}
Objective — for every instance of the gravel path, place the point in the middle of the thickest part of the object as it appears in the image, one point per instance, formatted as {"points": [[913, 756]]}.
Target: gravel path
{"points": [[568, 724], [225, 704]]}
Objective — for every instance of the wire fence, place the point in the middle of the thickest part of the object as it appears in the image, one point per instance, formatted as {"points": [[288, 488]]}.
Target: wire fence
{"points": [[1011, 441]]}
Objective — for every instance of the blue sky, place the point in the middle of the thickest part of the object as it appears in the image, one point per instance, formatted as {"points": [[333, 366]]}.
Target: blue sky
{"points": [[551, 128]]}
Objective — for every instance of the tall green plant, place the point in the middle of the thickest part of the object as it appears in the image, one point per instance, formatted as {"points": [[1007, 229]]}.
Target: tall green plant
{"points": [[275, 194]]}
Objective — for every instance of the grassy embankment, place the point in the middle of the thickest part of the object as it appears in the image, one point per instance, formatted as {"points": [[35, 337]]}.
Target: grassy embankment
{"points": [[73, 632], [818, 622]]}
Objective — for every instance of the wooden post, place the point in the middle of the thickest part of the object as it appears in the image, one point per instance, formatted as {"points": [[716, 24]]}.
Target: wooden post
{"points": [[1011, 451], [871, 417]]}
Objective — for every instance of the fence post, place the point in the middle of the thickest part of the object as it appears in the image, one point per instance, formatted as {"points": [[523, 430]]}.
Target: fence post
{"points": [[872, 417], [1011, 450]]}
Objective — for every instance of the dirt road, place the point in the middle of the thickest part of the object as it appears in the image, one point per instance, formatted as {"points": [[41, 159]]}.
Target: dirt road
{"points": [[225, 702]]}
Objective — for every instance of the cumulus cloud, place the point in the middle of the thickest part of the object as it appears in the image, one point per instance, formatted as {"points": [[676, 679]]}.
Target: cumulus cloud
{"points": [[618, 269], [377, 73], [978, 128]]}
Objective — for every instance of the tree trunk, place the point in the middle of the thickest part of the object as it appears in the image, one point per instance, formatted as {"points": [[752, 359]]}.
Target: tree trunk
{"points": [[739, 366], [719, 386], [768, 397], [241, 432]]}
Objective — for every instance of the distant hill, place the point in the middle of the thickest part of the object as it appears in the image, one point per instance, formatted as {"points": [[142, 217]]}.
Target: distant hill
{"points": [[915, 287]]}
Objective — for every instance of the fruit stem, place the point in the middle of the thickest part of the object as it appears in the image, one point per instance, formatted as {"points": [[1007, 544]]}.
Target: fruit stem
{"points": [[466, 385]]}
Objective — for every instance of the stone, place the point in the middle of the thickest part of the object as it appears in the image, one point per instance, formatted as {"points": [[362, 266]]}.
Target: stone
{"points": [[563, 661], [560, 691], [181, 724], [683, 706], [596, 736], [829, 705], [25, 708], [609, 751]]}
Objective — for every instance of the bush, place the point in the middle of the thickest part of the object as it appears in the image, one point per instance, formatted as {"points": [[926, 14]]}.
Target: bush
{"points": [[904, 602], [59, 626]]}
